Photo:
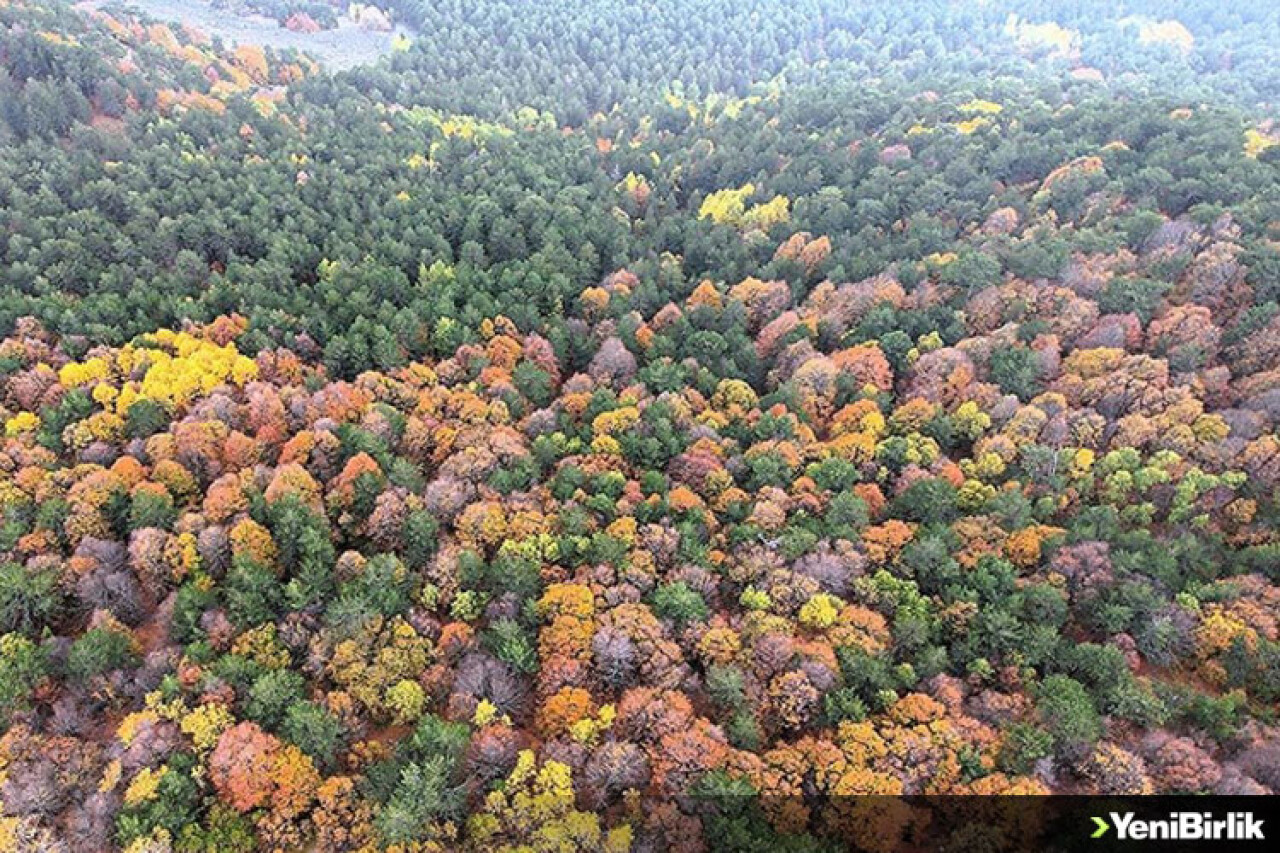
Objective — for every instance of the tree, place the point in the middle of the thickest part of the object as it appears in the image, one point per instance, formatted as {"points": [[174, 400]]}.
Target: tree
{"points": [[250, 768], [98, 651], [1068, 714], [420, 795], [272, 694], [242, 764], [677, 602], [23, 665], [314, 730], [29, 600], [1016, 371]]}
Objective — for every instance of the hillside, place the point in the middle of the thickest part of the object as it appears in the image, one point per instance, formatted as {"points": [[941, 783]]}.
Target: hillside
{"points": [[606, 426]]}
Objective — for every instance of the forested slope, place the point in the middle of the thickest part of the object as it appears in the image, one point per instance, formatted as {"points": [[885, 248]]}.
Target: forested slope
{"points": [[591, 416]]}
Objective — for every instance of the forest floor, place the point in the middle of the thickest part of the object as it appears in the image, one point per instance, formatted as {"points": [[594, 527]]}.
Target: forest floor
{"points": [[338, 49]]}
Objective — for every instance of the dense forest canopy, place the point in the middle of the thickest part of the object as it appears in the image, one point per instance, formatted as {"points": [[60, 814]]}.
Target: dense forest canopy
{"points": [[612, 424], [202, 201]]}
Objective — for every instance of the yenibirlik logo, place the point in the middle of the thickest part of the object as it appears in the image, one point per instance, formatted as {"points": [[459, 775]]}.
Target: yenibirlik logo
{"points": [[1182, 826]]}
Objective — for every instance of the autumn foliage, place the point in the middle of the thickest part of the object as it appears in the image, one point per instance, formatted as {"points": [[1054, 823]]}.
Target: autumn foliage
{"points": [[799, 456]]}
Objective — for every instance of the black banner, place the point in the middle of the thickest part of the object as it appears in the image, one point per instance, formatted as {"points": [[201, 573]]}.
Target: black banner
{"points": [[997, 824]]}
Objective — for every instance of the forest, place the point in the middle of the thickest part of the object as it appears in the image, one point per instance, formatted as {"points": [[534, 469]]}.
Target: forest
{"points": [[605, 426]]}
